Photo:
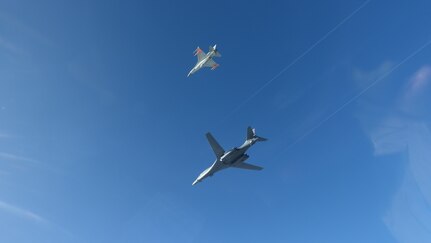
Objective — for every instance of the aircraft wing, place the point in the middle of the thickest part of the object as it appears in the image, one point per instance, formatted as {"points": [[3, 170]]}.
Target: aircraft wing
{"points": [[247, 166], [200, 54], [210, 63], [218, 150]]}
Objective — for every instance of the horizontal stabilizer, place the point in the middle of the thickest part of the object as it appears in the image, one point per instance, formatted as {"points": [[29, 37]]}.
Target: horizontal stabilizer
{"points": [[247, 166], [218, 150]]}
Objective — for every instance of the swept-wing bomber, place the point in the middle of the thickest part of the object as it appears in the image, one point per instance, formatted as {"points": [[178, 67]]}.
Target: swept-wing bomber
{"points": [[232, 158]]}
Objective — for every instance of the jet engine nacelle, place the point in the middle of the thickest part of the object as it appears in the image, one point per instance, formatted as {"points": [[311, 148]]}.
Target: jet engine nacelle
{"points": [[243, 158]]}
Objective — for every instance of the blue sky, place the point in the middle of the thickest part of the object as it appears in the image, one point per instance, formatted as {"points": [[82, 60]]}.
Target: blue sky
{"points": [[102, 134]]}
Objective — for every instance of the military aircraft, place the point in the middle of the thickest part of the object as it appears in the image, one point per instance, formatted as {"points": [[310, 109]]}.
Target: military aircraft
{"points": [[232, 158], [205, 60]]}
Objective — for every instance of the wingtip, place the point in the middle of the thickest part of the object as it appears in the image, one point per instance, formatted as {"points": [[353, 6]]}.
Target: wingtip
{"points": [[197, 51], [215, 66]]}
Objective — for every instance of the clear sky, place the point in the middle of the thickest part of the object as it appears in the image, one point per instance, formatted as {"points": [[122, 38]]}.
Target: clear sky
{"points": [[102, 133]]}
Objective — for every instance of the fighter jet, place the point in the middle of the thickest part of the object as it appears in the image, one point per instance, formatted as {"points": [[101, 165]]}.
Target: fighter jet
{"points": [[232, 158], [205, 60]]}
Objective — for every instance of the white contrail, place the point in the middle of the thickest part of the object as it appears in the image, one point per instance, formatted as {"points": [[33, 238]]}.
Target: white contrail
{"points": [[357, 96], [21, 212], [8, 156], [299, 57]]}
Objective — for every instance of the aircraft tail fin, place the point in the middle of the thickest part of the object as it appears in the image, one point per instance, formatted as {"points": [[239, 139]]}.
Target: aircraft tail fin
{"points": [[216, 52], [251, 133], [218, 150]]}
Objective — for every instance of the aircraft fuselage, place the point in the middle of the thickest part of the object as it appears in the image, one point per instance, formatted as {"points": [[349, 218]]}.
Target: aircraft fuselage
{"points": [[200, 64]]}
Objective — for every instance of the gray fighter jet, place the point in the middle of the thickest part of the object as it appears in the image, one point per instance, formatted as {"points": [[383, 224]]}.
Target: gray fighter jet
{"points": [[232, 158], [205, 60]]}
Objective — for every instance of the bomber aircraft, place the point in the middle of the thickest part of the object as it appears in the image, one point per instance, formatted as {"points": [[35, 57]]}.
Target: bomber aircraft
{"points": [[232, 158]]}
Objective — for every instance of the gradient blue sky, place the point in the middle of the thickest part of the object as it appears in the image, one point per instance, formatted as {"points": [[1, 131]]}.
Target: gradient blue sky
{"points": [[102, 134]]}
